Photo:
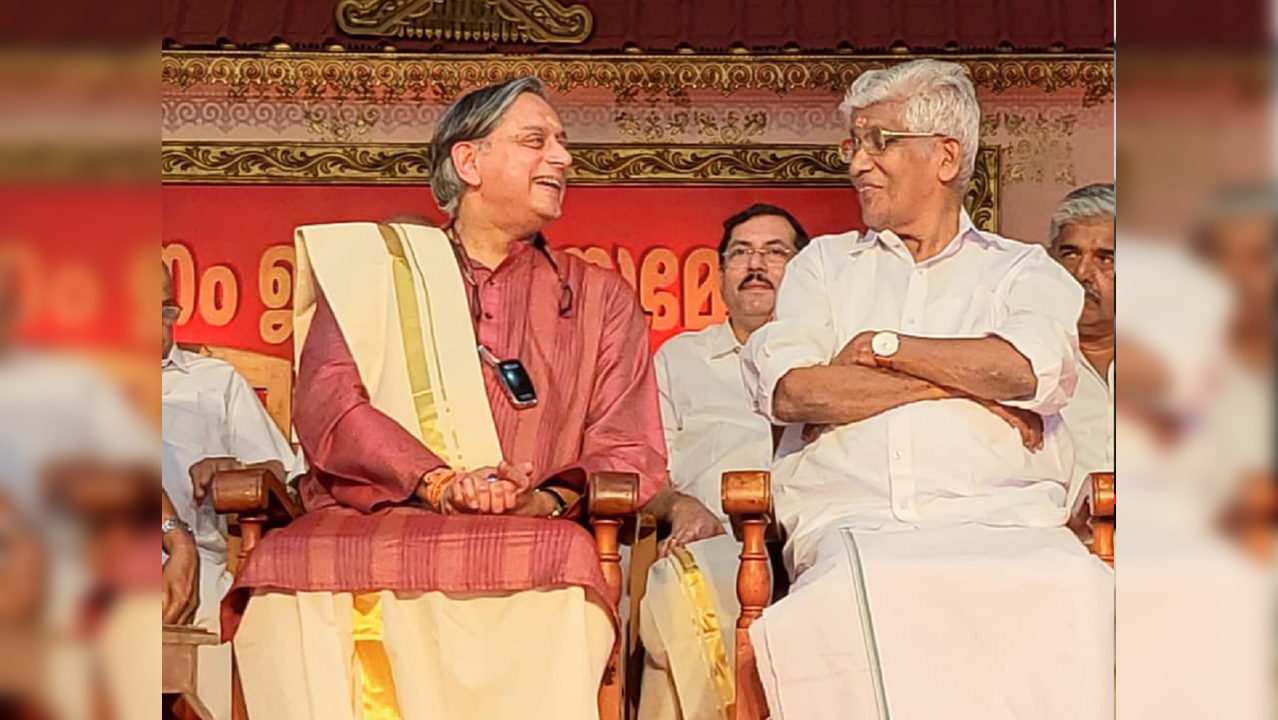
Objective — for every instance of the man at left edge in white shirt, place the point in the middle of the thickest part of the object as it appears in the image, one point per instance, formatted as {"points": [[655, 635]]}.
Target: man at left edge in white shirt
{"points": [[213, 421], [710, 427]]}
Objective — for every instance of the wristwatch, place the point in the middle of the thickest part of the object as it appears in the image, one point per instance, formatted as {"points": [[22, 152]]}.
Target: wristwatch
{"points": [[884, 345], [560, 505], [172, 524]]}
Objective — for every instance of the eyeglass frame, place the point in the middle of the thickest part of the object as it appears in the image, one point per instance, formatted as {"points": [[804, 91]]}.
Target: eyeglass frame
{"points": [[167, 308], [749, 252], [847, 153]]}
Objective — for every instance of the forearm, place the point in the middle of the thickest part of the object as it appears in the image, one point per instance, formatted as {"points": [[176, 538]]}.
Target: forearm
{"points": [[841, 394], [661, 504], [988, 368]]}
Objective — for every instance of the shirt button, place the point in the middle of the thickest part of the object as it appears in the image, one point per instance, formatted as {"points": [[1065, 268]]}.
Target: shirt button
{"points": [[896, 455], [905, 504], [488, 316]]}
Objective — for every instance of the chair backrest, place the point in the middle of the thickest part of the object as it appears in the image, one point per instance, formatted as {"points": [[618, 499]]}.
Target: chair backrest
{"points": [[271, 376]]}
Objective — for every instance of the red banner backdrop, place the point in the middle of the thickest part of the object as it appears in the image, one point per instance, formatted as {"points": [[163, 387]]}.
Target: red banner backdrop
{"points": [[82, 263], [231, 248]]}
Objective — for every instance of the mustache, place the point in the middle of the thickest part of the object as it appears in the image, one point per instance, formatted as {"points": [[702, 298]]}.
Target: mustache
{"points": [[756, 277], [1091, 292]]}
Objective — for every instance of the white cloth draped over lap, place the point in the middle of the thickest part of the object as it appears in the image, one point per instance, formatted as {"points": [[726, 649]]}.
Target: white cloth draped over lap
{"points": [[688, 622], [528, 656], [964, 623]]}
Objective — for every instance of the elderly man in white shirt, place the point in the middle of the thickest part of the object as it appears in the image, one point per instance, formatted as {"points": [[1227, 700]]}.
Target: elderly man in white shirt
{"points": [[1081, 238], [690, 608], [212, 421], [925, 498]]}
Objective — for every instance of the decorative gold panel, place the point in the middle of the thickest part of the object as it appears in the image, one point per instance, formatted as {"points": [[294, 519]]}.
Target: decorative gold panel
{"points": [[620, 165], [505, 21], [443, 76]]}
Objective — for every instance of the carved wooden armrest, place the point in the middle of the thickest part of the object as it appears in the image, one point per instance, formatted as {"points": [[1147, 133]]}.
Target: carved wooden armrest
{"points": [[259, 499], [1102, 502], [747, 500], [254, 492], [611, 499]]}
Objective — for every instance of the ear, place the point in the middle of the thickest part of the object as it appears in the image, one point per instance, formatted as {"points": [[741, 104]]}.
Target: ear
{"points": [[466, 162], [950, 153]]}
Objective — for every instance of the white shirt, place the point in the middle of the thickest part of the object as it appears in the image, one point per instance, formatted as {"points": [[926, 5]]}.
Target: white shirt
{"points": [[708, 415], [929, 463], [211, 411], [57, 407], [1090, 419]]}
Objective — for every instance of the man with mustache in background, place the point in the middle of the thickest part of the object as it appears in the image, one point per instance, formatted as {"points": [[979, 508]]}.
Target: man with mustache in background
{"points": [[710, 427], [1081, 238]]}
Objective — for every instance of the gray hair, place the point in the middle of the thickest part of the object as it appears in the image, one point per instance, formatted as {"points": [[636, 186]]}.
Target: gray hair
{"points": [[471, 117], [1090, 202], [938, 98]]}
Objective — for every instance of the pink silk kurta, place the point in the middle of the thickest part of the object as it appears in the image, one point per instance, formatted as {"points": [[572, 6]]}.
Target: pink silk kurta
{"points": [[597, 410]]}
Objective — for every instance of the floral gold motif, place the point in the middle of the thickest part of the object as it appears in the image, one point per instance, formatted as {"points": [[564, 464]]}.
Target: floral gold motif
{"points": [[621, 165], [506, 21], [442, 76]]}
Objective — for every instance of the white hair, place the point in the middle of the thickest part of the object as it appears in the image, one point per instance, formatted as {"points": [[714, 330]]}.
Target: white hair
{"points": [[938, 98], [1090, 202]]}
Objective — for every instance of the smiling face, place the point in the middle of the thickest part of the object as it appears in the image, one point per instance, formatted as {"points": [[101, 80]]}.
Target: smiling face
{"points": [[518, 173], [909, 175], [753, 264]]}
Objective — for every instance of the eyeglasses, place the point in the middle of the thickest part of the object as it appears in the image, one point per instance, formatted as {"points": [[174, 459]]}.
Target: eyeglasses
{"points": [[772, 257], [169, 312], [876, 141]]}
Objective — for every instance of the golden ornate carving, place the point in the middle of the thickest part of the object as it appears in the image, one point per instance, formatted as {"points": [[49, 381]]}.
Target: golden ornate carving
{"points": [[771, 165], [443, 76], [981, 200], [505, 21]]}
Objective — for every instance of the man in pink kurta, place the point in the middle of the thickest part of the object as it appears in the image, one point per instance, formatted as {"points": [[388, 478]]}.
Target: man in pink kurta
{"points": [[597, 410], [580, 333]]}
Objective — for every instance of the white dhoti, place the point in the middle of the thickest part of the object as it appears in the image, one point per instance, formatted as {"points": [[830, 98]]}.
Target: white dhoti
{"points": [[970, 622], [332, 656], [687, 623]]}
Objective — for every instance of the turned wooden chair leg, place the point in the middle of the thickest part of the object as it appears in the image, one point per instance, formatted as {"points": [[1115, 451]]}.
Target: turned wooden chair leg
{"points": [[753, 590], [747, 499], [250, 533], [610, 696]]}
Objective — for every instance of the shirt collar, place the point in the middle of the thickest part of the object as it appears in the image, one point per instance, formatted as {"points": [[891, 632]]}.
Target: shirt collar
{"points": [[966, 232], [723, 341], [176, 359]]}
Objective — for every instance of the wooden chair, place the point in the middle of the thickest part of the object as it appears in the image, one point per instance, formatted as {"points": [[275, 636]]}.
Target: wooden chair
{"points": [[181, 645], [747, 499], [258, 503]]}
